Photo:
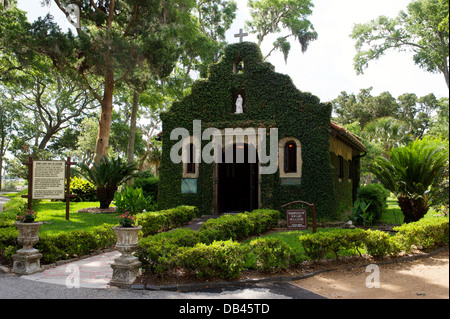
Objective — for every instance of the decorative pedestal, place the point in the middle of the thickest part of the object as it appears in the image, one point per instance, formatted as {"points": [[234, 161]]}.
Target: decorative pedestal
{"points": [[27, 259], [126, 267]]}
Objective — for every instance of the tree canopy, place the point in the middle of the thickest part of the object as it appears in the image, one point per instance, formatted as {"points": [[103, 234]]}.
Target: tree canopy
{"points": [[420, 29]]}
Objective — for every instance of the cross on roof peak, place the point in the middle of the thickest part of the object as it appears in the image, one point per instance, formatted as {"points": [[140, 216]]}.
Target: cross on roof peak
{"points": [[240, 35]]}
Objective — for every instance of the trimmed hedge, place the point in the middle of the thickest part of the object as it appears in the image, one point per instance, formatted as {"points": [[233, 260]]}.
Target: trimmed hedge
{"points": [[239, 226], [166, 251], [424, 234], [164, 220], [318, 245], [62, 246]]}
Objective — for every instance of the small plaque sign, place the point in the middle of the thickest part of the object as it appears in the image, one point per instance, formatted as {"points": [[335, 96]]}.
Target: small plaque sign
{"points": [[296, 219], [48, 179]]}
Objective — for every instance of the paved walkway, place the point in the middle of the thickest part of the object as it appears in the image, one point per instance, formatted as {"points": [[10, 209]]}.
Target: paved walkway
{"points": [[90, 272]]}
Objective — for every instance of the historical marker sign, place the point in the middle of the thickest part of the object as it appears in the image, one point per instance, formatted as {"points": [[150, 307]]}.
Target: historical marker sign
{"points": [[296, 219], [48, 179]]}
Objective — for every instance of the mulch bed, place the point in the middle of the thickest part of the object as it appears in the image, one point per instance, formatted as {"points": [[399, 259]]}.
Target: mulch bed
{"points": [[97, 210]]}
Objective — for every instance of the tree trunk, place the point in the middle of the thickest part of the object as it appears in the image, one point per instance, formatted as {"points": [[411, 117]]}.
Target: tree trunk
{"points": [[412, 209], [132, 136], [105, 195], [104, 129]]}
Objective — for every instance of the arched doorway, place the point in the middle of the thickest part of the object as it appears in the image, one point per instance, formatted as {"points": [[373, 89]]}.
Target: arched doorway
{"points": [[238, 180]]}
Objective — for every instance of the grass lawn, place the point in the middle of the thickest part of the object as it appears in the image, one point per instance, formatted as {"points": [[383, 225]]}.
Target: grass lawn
{"points": [[53, 214], [393, 214]]}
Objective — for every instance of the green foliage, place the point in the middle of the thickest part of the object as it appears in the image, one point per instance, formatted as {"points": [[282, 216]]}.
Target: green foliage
{"points": [[149, 185], [361, 214], [409, 172], [318, 245], [274, 15], [379, 243], [426, 233], [370, 204], [417, 29], [239, 226], [165, 251], [65, 245], [7, 219], [271, 254], [159, 253], [154, 222], [271, 101], [107, 176], [84, 190], [15, 205], [224, 259], [131, 200]]}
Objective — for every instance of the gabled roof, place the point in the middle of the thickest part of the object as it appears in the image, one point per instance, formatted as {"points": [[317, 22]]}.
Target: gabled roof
{"points": [[347, 137]]}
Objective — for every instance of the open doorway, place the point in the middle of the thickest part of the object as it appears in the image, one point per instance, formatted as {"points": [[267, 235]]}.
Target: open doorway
{"points": [[238, 181]]}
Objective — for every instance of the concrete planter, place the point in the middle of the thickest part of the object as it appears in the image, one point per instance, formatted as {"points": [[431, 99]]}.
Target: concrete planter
{"points": [[27, 259], [126, 267]]}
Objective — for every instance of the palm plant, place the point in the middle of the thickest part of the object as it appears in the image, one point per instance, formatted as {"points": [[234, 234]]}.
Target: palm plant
{"points": [[107, 175], [410, 172]]}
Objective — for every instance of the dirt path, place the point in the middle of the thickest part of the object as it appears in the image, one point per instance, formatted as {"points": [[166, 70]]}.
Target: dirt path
{"points": [[425, 278]]}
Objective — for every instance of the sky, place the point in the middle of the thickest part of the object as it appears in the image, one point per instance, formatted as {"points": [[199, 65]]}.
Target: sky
{"points": [[326, 69]]}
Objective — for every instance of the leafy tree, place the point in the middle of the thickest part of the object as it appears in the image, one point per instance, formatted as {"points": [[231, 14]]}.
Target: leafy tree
{"points": [[387, 132], [114, 39], [271, 16], [410, 172], [419, 29]]}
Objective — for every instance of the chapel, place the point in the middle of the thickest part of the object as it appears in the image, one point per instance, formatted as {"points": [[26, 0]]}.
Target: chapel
{"points": [[247, 138]]}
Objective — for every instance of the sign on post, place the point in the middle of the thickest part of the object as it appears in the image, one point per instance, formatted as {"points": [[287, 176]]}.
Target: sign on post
{"points": [[296, 219], [49, 179]]}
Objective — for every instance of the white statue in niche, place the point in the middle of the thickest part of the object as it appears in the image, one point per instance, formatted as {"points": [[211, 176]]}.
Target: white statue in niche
{"points": [[239, 107]]}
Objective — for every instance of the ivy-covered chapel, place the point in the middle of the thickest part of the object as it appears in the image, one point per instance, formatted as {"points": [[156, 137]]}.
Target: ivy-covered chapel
{"points": [[318, 161]]}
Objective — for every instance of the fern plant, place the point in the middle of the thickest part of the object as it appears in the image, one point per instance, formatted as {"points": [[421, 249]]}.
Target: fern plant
{"points": [[107, 176], [410, 172]]}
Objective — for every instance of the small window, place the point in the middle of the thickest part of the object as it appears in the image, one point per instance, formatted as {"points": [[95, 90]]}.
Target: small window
{"points": [[341, 167], [190, 165], [290, 157]]}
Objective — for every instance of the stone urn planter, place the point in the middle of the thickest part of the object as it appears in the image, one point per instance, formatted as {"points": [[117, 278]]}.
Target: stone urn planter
{"points": [[27, 259], [126, 267]]}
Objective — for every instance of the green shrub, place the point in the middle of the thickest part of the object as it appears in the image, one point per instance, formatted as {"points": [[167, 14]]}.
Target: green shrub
{"points": [[15, 205], [149, 185], [271, 254], [8, 237], [426, 233], [263, 220], [239, 226], [131, 200], [235, 227], [318, 245], [224, 259], [379, 243], [154, 222], [7, 219], [72, 244], [376, 195], [84, 190], [158, 253]]}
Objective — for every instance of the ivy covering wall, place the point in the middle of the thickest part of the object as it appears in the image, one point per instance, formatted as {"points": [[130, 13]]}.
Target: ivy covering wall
{"points": [[271, 101]]}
